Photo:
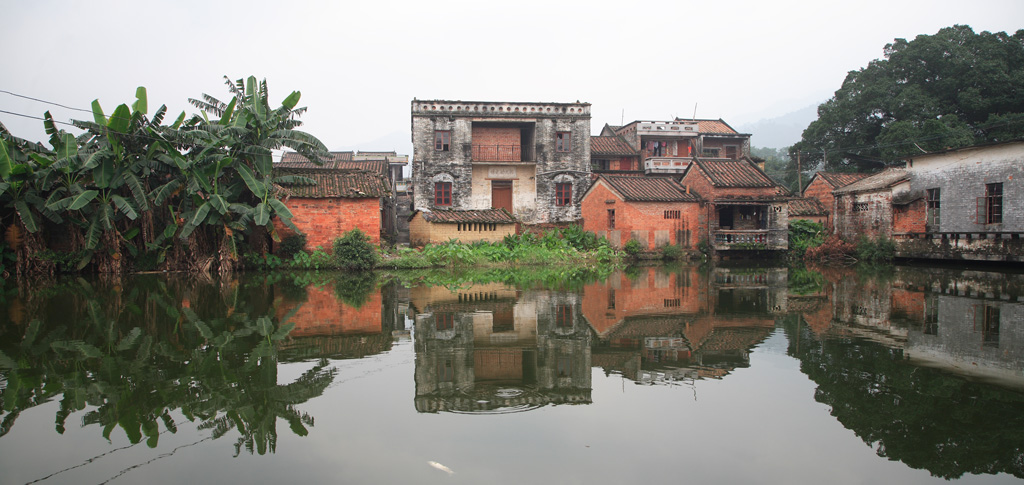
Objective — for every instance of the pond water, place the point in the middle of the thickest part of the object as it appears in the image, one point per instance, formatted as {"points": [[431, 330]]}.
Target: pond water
{"points": [[728, 374]]}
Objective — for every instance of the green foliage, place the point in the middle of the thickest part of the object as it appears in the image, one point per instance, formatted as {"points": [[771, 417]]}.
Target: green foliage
{"points": [[947, 90], [355, 288], [881, 249], [291, 245], [804, 234], [671, 252], [316, 260], [632, 247], [803, 281], [353, 250]]}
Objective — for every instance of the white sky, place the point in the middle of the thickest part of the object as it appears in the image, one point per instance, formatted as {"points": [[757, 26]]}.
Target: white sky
{"points": [[360, 64]]}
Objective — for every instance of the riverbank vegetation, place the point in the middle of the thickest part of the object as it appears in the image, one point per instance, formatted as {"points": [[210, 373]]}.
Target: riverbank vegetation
{"points": [[132, 193]]}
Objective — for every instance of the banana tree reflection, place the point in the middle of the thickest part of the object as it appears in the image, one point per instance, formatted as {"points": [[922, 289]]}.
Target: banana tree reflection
{"points": [[220, 371]]}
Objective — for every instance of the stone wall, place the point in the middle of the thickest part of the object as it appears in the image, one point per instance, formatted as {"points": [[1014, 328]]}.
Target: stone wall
{"points": [[536, 125]]}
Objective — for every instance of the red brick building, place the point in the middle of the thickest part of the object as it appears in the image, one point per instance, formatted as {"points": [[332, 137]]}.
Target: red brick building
{"points": [[611, 154], [656, 211], [874, 206], [667, 147], [746, 209], [336, 202], [823, 183], [808, 208]]}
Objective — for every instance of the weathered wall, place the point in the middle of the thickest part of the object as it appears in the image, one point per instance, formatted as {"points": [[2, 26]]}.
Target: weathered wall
{"points": [[961, 177], [422, 232], [323, 220], [524, 188], [909, 218], [535, 201], [821, 190], [873, 221]]}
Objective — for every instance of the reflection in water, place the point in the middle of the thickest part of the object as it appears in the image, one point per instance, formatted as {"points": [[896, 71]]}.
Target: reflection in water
{"points": [[924, 365], [208, 351], [660, 327], [494, 349], [888, 359]]}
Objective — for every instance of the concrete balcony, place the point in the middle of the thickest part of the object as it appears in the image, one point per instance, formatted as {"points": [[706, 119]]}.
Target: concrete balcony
{"points": [[668, 128], [742, 240], [666, 165]]}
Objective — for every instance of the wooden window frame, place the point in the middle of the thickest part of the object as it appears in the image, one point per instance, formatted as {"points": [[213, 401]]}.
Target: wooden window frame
{"points": [[442, 140], [933, 214], [563, 316], [563, 141], [443, 194], [611, 219], [563, 194]]}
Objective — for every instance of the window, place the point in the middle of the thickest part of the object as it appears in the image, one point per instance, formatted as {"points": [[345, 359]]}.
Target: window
{"points": [[445, 371], [442, 140], [563, 316], [672, 214], [986, 321], [710, 152], [563, 141], [933, 208], [599, 164], [931, 314], [563, 194], [443, 193], [731, 151], [611, 219], [990, 207], [861, 206], [611, 298], [564, 366], [444, 321]]}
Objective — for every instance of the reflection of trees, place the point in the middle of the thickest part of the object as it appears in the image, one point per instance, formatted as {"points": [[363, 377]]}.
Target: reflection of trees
{"points": [[140, 355], [922, 417]]}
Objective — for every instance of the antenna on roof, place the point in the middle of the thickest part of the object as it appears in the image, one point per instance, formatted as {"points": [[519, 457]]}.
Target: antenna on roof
{"points": [[622, 118], [694, 110]]}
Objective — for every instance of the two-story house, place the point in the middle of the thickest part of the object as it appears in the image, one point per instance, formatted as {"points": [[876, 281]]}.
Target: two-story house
{"points": [[667, 147], [531, 159]]}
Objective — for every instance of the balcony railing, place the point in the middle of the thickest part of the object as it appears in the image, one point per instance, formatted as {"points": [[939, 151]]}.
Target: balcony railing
{"points": [[497, 153], [728, 238], [665, 164]]}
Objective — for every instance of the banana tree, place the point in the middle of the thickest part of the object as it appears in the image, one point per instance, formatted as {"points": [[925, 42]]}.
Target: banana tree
{"points": [[245, 132]]}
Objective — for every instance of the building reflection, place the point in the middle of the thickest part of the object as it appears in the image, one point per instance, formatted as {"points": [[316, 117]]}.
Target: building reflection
{"points": [[336, 325], [662, 327], [491, 348], [963, 322]]}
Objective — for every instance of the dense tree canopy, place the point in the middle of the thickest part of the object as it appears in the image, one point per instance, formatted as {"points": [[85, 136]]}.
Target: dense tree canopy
{"points": [[951, 89]]}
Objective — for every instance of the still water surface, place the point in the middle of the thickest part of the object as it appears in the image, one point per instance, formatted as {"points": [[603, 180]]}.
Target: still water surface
{"points": [[724, 375]]}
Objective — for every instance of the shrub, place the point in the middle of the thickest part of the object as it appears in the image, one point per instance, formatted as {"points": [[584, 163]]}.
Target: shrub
{"points": [[804, 234], [875, 250], [833, 248], [671, 251], [353, 250], [632, 247], [291, 245]]}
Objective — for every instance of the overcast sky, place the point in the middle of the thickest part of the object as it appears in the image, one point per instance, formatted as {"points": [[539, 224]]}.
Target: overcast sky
{"points": [[360, 64]]}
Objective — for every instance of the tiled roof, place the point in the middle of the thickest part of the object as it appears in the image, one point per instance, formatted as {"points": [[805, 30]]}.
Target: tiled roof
{"points": [[496, 216], [335, 183], [335, 161], [880, 180], [734, 338], [839, 179], [610, 145], [713, 127], [806, 207], [733, 173], [648, 189]]}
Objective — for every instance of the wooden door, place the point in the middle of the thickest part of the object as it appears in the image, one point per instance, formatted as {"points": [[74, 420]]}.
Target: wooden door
{"points": [[501, 195]]}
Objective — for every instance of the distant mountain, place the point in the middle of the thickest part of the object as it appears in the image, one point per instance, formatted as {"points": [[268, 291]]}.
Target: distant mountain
{"points": [[782, 131]]}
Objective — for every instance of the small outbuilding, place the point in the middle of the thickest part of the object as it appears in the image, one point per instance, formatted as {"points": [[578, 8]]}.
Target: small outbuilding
{"points": [[654, 210], [467, 226]]}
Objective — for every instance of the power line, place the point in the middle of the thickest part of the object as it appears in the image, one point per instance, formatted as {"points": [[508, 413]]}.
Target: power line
{"points": [[44, 101]]}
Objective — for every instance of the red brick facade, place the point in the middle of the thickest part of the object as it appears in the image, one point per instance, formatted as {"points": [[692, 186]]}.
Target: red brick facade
{"points": [[324, 219], [323, 313], [653, 224], [909, 218], [653, 292], [822, 191], [491, 136]]}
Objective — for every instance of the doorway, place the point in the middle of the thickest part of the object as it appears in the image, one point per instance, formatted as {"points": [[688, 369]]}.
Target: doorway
{"points": [[501, 195]]}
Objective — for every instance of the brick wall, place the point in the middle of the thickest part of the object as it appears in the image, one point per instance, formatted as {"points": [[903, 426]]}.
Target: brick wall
{"points": [[490, 136], [323, 220], [652, 292], [821, 190], [643, 221], [909, 218], [322, 313]]}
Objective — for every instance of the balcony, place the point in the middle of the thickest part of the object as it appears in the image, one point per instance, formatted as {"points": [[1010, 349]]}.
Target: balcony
{"points": [[754, 239], [668, 128], [497, 153], [666, 165]]}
